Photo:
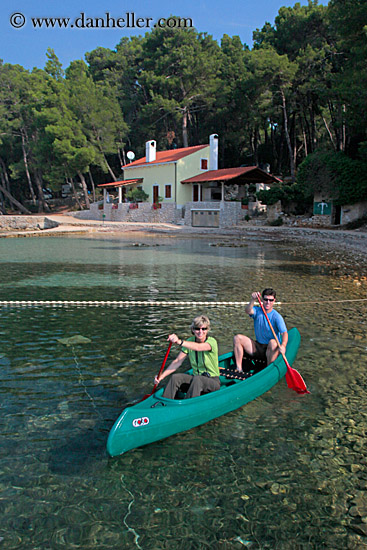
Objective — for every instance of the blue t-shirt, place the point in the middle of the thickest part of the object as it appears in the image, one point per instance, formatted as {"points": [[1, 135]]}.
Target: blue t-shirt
{"points": [[263, 332]]}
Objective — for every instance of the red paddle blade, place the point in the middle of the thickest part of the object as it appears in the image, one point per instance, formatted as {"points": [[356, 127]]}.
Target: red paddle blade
{"points": [[295, 381]]}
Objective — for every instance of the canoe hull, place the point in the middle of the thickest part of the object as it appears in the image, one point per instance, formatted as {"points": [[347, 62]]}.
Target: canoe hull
{"points": [[156, 417]]}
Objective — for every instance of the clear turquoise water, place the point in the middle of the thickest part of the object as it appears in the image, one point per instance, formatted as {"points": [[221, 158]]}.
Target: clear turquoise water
{"points": [[252, 479]]}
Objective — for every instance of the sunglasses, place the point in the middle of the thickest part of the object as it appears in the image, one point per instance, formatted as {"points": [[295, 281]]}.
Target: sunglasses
{"points": [[200, 328], [268, 299]]}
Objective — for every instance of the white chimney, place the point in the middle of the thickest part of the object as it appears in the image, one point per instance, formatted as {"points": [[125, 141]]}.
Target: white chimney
{"points": [[150, 150], [213, 159]]}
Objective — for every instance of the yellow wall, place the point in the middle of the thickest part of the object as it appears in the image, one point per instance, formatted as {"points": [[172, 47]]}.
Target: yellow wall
{"points": [[187, 168], [170, 173], [154, 174]]}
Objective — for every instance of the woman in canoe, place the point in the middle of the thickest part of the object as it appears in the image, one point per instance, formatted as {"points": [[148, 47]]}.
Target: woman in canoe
{"points": [[202, 351]]}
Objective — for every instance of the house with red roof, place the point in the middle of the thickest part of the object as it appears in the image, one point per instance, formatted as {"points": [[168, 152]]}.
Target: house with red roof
{"points": [[187, 185]]}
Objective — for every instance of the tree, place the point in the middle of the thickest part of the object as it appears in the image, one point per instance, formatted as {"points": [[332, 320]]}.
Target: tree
{"points": [[274, 74], [348, 19], [95, 106], [336, 175], [178, 79]]}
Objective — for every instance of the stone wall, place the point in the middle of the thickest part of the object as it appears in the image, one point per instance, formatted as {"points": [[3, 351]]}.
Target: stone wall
{"points": [[26, 223], [274, 211], [168, 213], [318, 220], [230, 212], [352, 212]]}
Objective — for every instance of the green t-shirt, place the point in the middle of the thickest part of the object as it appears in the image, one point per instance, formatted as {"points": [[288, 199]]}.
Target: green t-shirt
{"points": [[204, 361]]}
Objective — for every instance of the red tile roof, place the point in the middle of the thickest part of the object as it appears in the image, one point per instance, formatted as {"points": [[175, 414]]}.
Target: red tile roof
{"points": [[121, 183], [250, 173], [172, 155]]}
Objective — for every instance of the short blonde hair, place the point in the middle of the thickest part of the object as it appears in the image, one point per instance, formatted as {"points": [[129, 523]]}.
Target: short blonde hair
{"points": [[199, 321]]}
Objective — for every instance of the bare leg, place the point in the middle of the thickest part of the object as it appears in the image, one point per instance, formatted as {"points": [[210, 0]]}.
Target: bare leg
{"points": [[242, 343], [272, 351]]}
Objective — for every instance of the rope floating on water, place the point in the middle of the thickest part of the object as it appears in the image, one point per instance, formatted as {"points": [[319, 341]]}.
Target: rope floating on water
{"points": [[128, 303], [112, 303]]}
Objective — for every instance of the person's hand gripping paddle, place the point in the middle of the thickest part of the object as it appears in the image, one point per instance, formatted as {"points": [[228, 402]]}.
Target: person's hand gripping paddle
{"points": [[294, 379]]}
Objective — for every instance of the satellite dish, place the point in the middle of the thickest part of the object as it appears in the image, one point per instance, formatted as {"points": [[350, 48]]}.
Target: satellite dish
{"points": [[130, 155]]}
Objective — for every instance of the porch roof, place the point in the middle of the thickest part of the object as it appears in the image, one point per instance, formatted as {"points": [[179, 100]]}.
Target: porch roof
{"points": [[240, 175], [121, 183]]}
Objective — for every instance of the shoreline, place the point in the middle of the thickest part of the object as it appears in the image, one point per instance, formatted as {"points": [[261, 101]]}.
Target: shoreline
{"points": [[344, 251]]}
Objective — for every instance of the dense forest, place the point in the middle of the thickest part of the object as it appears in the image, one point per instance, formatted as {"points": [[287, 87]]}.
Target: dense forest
{"points": [[298, 96]]}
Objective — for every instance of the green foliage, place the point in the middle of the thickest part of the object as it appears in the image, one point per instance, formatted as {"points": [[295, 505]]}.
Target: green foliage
{"points": [[277, 222], [336, 176], [299, 195], [137, 195]]}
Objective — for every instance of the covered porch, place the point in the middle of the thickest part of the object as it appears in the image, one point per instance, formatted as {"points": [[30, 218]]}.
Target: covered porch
{"points": [[218, 195], [211, 185], [116, 190]]}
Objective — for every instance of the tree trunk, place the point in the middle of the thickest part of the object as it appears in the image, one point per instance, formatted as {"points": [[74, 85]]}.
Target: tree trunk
{"points": [[185, 139], [287, 137], [275, 167], [71, 181], [93, 185], [344, 135], [329, 132], [14, 201], [4, 176], [42, 204], [85, 189], [25, 160], [122, 158], [109, 167]]}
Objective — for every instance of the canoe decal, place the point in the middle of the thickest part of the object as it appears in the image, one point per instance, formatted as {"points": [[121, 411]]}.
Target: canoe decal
{"points": [[140, 421]]}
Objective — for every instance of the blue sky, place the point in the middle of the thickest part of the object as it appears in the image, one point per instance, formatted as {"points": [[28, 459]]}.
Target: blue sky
{"points": [[27, 45]]}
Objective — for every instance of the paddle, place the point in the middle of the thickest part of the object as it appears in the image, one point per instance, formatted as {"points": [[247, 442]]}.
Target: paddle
{"points": [[293, 377], [159, 373]]}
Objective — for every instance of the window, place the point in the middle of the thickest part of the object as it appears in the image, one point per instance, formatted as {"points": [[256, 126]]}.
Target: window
{"points": [[168, 191], [203, 164]]}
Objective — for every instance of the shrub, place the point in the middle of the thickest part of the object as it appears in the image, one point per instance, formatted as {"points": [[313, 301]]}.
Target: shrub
{"points": [[335, 175], [299, 197], [137, 195], [277, 222]]}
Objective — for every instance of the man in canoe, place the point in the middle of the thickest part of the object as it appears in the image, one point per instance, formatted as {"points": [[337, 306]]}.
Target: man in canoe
{"points": [[202, 351], [265, 345]]}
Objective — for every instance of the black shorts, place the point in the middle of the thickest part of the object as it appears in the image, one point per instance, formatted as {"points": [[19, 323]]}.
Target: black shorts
{"points": [[260, 352]]}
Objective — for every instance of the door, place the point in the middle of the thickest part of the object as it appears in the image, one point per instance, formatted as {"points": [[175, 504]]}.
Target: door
{"points": [[155, 193]]}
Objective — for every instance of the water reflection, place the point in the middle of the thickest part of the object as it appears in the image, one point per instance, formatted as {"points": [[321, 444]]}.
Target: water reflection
{"points": [[281, 473]]}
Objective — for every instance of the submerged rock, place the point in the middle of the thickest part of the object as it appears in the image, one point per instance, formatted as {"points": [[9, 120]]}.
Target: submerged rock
{"points": [[73, 340]]}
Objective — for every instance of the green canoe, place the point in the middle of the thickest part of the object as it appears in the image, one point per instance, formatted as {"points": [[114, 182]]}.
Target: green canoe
{"points": [[157, 417]]}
